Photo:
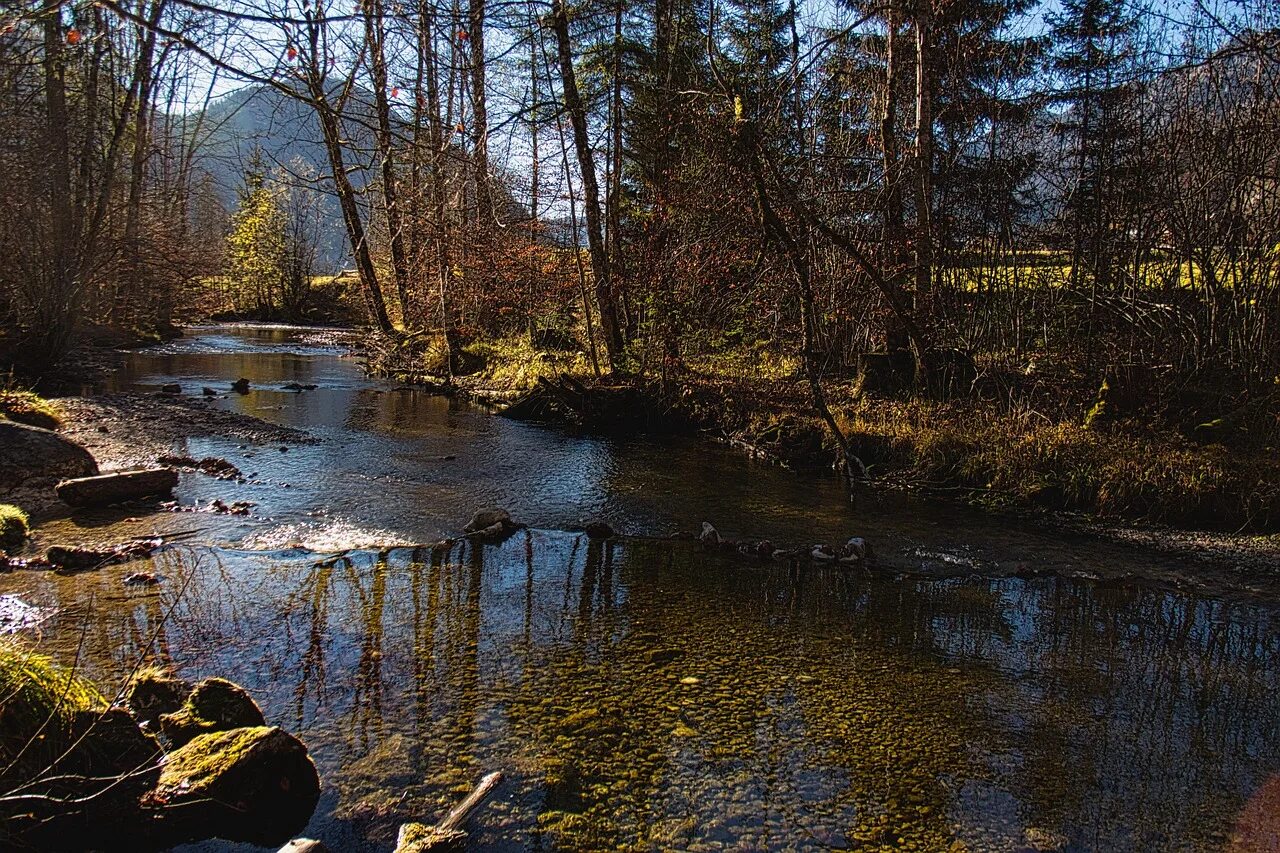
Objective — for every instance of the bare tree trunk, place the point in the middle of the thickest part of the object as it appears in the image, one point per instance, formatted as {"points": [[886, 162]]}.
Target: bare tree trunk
{"points": [[374, 37], [479, 113], [58, 306], [605, 300], [924, 160], [330, 127], [144, 74]]}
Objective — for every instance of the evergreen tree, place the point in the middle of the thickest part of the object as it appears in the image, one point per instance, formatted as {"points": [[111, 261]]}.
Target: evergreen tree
{"points": [[257, 255], [1093, 51]]}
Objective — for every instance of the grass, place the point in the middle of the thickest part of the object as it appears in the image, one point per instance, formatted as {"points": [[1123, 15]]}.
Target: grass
{"points": [[14, 526], [512, 363], [1124, 471], [25, 407], [38, 704]]}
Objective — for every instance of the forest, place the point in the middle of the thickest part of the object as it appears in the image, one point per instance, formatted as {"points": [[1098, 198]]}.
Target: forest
{"points": [[1030, 251]]}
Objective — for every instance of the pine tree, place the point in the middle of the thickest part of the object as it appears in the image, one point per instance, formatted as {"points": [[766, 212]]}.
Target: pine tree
{"points": [[1093, 50]]}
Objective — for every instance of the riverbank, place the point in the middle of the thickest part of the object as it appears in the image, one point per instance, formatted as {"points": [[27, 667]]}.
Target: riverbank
{"points": [[125, 430], [766, 420], [993, 454]]}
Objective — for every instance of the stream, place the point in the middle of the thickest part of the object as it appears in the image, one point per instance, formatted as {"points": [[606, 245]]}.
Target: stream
{"points": [[644, 694]]}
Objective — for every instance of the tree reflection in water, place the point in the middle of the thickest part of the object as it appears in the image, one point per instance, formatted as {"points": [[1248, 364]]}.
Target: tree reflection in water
{"points": [[649, 695]]}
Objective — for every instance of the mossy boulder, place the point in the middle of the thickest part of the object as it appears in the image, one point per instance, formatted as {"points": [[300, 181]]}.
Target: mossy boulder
{"points": [[254, 784], [24, 407], [214, 705], [153, 692], [13, 527]]}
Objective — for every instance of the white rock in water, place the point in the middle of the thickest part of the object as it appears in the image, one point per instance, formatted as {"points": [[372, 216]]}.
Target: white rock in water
{"points": [[857, 548], [709, 534]]}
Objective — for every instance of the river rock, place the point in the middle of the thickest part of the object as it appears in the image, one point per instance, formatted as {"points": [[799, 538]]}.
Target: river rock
{"points": [[152, 691], [486, 518], [247, 784], [117, 486], [491, 525], [28, 452], [597, 529], [171, 388], [709, 535], [240, 386], [304, 845], [214, 705]]}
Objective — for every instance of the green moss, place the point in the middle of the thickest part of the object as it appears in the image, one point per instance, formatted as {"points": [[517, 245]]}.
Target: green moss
{"points": [[215, 704], [14, 527], [206, 758], [24, 407]]}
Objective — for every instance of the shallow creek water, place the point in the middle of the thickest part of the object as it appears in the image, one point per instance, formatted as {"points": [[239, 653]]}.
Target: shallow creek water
{"points": [[644, 694]]}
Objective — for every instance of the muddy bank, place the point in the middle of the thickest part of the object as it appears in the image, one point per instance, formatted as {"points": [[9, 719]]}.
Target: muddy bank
{"points": [[141, 430]]}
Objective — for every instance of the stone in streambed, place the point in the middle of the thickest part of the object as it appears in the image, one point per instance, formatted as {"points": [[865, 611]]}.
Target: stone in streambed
{"points": [[153, 691], [254, 784], [240, 386], [491, 525], [597, 529], [214, 705]]}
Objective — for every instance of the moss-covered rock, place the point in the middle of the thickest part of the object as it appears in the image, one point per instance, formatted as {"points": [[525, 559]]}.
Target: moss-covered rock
{"points": [[13, 526], [247, 784], [420, 838], [153, 692], [214, 705], [24, 407]]}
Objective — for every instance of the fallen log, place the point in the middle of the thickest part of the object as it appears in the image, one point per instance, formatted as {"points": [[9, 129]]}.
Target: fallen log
{"points": [[76, 558], [448, 834], [117, 486]]}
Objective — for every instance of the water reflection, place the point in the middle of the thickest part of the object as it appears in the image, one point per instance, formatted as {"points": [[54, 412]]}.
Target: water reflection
{"points": [[647, 696]]}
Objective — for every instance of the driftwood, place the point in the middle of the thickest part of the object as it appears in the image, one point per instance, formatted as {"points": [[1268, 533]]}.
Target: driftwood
{"points": [[448, 834], [613, 408], [75, 558], [117, 487]]}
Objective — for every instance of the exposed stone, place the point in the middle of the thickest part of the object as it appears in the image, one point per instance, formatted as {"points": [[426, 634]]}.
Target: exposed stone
{"points": [[240, 386], [171, 388], [214, 705], [597, 529], [152, 691], [486, 518], [28, 452], [304, 845], [246, 784]]}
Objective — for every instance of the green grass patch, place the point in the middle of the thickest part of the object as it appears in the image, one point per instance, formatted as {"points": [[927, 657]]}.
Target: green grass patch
{"points": [[38, 703], [512, 363], [14, 526], [25, 407]]}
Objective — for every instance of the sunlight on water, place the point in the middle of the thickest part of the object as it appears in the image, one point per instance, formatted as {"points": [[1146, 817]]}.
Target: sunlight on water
{"points": [[648, 695]]}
